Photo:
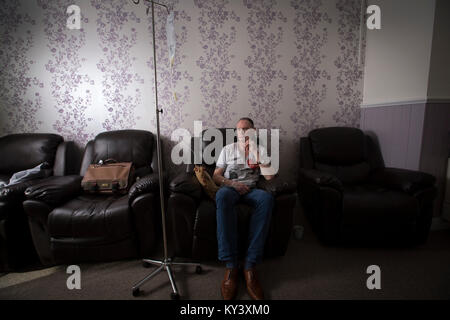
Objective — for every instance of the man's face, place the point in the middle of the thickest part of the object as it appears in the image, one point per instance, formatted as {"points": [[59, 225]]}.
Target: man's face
{"points": [[241, 127]]}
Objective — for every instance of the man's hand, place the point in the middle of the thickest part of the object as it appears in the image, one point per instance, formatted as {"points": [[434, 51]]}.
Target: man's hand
{"points": [[240, 187], [252, 148], [220, 180]]}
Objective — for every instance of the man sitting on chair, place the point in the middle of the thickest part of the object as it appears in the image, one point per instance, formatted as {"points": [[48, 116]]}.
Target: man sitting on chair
{"points": [[237, 172]]}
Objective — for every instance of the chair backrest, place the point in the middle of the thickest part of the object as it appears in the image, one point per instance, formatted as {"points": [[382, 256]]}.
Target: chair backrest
{"points": [[205, 142], [137, 146], [26, 150], [345, 152]]}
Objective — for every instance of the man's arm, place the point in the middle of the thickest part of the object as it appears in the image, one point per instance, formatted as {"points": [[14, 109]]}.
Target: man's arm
{"points": [[218, 177], [266, 171], [265, 168], [222, 181]]}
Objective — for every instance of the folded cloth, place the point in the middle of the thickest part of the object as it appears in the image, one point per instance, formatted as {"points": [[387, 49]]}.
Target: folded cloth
{"points": [[40, 171], [208, 184]]}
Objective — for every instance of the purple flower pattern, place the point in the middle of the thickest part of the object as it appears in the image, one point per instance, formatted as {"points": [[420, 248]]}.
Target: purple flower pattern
{"points": [[218, 34], [215, 58], [310, 77], [170, 80], [350, 73], [20, 99], [264, 37], [117, 37], [64, 65]]}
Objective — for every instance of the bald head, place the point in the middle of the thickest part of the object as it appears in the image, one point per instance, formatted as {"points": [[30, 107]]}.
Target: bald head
{"points": [[245, 123]]}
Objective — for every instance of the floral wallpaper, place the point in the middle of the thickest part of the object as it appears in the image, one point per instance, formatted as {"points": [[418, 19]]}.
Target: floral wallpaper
{"points": [[350, 71], [265, 78], [289, 64], [62, 63], [310, 76], [117, 26], [19, 91], [216, 26], [174, 82]]}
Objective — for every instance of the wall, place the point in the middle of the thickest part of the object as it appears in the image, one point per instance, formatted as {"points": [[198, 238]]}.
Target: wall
{"points": [[407, 87], [398, 56], [439, 77], [290, 65], [399, 130], [436, 146]]}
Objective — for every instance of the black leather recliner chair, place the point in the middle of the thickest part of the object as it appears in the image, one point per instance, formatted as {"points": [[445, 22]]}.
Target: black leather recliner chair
{"points": [[192, 215], [70, 226], [350, 196], [21, 152]]}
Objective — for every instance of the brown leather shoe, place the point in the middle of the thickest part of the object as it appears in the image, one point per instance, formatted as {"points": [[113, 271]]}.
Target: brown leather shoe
{"points": [[229, 284], [253, 287]]}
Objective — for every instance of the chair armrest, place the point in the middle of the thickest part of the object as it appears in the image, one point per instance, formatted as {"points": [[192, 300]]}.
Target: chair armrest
{"points": [[320, 178], [55, 190], [145, 212], [405, 180], [146, 184], [181, 212], [188, 184], [16, 191], [37, 210], [276, 186]]}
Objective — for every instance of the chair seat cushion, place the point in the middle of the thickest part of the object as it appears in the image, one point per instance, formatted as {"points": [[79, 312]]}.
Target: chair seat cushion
{"points": [[97, 219], [377, 206]]}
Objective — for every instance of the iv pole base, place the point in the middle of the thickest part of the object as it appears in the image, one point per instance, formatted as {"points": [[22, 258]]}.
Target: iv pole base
{"points": [[161, 266]]}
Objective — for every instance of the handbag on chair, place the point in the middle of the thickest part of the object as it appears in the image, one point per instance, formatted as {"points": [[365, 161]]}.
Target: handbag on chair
{"points": [[108, 176]]}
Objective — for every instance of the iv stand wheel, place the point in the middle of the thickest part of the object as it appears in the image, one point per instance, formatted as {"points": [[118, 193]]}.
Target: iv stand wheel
{"points": [[136, 292]]}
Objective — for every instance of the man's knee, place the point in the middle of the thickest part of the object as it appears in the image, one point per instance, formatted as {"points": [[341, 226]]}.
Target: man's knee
{"points": [[225, 195], [266, 199]]}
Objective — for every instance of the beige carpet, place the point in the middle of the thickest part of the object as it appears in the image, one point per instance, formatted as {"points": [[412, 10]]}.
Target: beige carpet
{"points": [[309, 270], [14, 278]]}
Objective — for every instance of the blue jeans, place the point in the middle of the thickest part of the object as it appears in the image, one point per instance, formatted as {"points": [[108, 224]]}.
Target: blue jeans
{"points": [[226, 214]]}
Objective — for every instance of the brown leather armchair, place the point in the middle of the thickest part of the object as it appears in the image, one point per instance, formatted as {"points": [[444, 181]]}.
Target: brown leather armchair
{"points": [[69, 226], [351, 197], [21, 152], [192, 215]]}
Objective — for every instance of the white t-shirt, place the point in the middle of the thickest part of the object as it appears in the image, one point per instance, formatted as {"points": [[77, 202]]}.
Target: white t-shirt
{"points": [[232, 159]]}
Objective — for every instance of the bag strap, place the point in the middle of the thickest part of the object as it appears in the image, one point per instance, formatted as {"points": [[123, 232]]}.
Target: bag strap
{"points": [[110, 160], [107, 161]]}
